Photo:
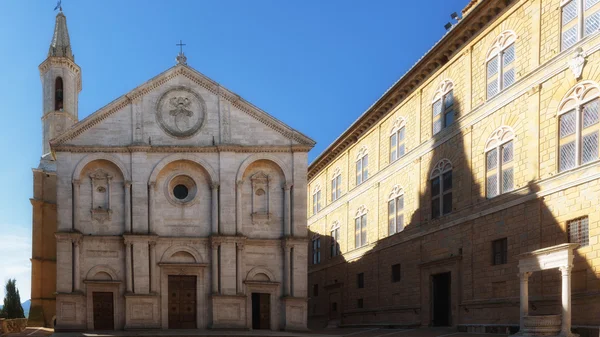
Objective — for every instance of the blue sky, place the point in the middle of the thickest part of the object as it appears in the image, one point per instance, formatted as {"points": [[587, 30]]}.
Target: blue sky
{"points": [[301, 61]]}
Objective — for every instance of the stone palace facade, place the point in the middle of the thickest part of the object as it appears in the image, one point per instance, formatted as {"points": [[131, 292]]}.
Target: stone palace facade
{"points": [[177, 205], [485, 150]]}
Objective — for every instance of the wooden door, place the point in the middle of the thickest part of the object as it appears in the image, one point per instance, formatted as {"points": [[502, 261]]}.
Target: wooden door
{"points": [[334, 303], [103, 311], [182, 302], [265, 311]]}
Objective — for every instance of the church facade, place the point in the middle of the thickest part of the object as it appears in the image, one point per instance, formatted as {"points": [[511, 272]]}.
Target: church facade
{"points": [[177, 205]]}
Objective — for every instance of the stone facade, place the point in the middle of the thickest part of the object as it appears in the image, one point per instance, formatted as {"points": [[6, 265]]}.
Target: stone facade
{"points": [[180, 205], [400, 274]]}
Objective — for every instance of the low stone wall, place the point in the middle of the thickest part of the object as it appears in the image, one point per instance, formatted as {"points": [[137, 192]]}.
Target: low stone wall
{"points": [[12, 325]]}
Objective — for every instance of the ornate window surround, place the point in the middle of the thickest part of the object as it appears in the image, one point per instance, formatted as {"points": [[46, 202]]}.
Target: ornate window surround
{"points": [[574, 102], [495, 148], [316, 249], [396, 210], [335, 236], [439, 170], [442, 106], [316, 199], [577, 23], [336, 184], [496, 53], [362, 165], [360, 227], [397, 139]]}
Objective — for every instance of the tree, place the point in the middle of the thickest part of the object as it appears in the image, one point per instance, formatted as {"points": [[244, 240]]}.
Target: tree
{"points": [[12, 301]]}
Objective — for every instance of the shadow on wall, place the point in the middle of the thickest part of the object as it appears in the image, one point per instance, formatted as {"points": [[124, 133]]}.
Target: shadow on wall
{"points": [[454, 259]]}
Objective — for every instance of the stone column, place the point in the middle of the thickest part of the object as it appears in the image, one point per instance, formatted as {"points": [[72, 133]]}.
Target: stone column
{"points": [[286, 270], [151, 188], [215, 267], [215, 208], [238, 207], [524, 278], [76, 204], [287, 220], [76, 267], [127, 188], [239, 267], [108, 191], [128, 266], [152, 245], [566, 300]]}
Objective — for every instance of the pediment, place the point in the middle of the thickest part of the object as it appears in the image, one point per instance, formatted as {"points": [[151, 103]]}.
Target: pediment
{"points": [[180, 107]]}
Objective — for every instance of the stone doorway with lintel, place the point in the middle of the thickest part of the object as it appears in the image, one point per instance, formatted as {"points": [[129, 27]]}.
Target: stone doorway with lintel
{"points": [[560, 257]]}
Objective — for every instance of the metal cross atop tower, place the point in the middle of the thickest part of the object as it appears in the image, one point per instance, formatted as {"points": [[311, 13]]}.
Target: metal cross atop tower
{"points": [[181, 59], [180, 44]]}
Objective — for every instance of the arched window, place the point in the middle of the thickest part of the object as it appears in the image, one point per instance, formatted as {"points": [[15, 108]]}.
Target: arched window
{"points": [[441, 188], [362, 166], [335, 238], [317, 199], [578, 126], [579, 18], [443, 106], [396, 210], [397, 147], [499, 162], [316, 249], [500, 62], [58, 94], [336, 184], [360, 227]]}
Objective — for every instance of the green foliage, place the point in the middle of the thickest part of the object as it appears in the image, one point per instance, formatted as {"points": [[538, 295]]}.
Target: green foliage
{"points": [[12, 301]]}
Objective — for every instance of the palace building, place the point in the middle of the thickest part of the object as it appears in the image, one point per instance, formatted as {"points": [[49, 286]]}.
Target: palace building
{"points": [[485, 150], [176, 205]]}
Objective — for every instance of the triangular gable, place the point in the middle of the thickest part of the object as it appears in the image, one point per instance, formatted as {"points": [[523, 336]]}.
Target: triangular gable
{"points": [[196, 77]]}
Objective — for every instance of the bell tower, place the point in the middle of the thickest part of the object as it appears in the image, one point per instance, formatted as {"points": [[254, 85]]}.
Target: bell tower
{"points": [[61, 84]]}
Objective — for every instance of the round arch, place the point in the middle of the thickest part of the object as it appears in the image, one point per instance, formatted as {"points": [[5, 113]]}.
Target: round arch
{"points": [[176, 249], [100, 156], [181, 156], [101, 269], [260, 270], [264, 156]]}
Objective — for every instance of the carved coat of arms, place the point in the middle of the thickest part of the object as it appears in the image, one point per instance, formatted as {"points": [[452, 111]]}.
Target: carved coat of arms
{"points": [[181, 112]]}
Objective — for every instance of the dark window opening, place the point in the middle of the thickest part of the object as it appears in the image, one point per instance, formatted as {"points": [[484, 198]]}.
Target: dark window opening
{"points": [[360, 278], [316, 290], [396, 273], [360, 303], [500, 251], [58, 94], [180, 192]]}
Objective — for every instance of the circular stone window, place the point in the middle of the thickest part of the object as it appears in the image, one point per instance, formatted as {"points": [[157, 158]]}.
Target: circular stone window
{"points": [[182, 189]]}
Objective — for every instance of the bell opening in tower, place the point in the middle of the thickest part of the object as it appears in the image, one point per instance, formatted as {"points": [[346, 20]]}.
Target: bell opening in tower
{"points": [[58, 94]]}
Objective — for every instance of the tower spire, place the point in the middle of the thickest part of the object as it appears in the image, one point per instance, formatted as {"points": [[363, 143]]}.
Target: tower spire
{"points": [[61, 44]]}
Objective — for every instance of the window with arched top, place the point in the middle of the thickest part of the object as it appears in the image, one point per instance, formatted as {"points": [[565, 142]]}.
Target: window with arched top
{"points": [[397, 136], [336, 184], [360, 227], [579, 18], [335, 239], [500, 63], [316, 199], [441, 188], [316, 249], [396, 210], [443, 106], [578, 126], [58, 94], [499, 166], [362, 166]]}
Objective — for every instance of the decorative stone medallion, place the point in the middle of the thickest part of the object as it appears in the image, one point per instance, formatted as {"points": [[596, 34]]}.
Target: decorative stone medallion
{"points": [[181, 112]]}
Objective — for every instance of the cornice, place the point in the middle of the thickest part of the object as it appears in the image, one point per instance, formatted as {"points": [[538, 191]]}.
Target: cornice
{"points": [[449, 45], [179, 148], [195, 77]]}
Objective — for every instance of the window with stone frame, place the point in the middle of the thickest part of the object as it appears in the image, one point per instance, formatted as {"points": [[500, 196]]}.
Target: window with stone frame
{"points": [[315, 290], [578, 126], [443, 106], [500, 63], [396, 211], [396, 272], [578, 231], [360, 280], [499, 162], [441, 189], [397, 140], [579, 18], [316, 249], [362, 166], [500, 251], [317, 199], [335, 237], [336, 185], [360, 227]]}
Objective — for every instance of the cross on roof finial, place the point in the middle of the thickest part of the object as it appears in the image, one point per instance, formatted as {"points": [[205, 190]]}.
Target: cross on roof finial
{"points": [[58, 5], [181, 59]]}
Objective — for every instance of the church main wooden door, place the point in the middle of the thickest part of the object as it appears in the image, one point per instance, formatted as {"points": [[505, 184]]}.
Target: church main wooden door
{"points": [[182, 302], [103, 311], [261, 311]]}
